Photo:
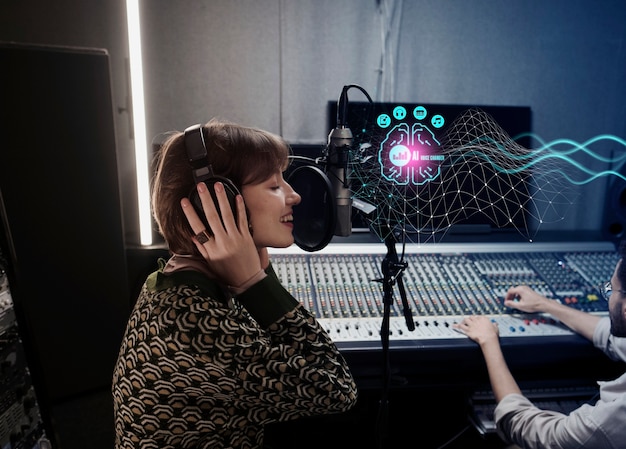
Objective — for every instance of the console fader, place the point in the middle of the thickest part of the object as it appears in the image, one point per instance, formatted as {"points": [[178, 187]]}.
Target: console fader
{"points": [[444, 282]]}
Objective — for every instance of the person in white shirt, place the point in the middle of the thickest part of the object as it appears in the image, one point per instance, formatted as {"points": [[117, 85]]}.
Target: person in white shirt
{"points": [[518, 420]]}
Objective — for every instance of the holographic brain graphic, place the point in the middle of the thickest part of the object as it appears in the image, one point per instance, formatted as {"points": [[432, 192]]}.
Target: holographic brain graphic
{"points": [[422, 186]]}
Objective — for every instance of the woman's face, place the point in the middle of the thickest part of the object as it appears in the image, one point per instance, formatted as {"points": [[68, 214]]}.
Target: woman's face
{"points": [[270, 211]]}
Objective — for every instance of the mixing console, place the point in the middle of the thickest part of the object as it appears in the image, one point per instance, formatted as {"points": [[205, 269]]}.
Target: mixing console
{"points": [[444, 282]]}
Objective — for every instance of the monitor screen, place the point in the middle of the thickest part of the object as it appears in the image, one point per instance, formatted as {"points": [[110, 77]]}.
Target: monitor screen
{"points": [[433, 169]]}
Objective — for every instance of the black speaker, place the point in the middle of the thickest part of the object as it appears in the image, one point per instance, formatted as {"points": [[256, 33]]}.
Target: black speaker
{"points": [[61, 214], [614, 217]]}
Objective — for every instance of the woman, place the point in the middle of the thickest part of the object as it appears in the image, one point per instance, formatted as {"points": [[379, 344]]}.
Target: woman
{"points": [[215, 347]]}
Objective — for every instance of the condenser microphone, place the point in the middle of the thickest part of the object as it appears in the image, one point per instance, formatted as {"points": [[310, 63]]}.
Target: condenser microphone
{"points": [[338, 150]]}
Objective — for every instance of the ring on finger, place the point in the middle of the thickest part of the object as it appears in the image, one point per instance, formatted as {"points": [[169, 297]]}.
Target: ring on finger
{"points": [[202, 237]]}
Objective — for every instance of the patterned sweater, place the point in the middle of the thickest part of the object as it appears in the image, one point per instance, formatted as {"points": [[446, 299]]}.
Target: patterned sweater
{"points": [[200, 370]]}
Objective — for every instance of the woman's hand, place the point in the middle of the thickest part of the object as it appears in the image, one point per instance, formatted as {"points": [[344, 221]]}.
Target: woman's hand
{"points": [[230, 250]]}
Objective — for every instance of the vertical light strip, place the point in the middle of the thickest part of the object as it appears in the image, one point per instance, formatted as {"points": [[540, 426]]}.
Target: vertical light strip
{"points": [[139, 122]]}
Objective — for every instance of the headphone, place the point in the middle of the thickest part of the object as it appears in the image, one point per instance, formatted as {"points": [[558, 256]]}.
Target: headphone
{"points": [[203, 172]]}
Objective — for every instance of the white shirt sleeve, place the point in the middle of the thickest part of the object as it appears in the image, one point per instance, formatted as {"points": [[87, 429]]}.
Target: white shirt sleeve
{"points": [[599, 426]]}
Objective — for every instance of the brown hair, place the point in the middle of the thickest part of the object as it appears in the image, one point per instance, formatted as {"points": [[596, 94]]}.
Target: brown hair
{"points": [[242, 154]]}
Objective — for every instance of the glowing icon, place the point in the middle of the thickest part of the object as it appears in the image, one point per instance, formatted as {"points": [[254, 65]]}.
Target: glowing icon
{"points": [[383, 120], [399, 112], [420, 112], [400, 155], [437, 121]]}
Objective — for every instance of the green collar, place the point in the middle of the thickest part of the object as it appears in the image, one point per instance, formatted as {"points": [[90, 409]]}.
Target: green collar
{"points": [[160, 281]]}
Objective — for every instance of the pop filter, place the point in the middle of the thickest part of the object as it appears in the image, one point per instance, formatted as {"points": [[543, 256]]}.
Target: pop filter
{"points": [[315, 218]]}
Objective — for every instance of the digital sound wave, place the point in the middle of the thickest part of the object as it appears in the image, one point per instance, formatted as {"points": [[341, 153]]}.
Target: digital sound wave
{"points": [[546, 152]]}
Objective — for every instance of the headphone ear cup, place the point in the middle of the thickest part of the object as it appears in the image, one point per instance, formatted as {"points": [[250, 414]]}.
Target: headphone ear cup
{"points": [[231, 194]]}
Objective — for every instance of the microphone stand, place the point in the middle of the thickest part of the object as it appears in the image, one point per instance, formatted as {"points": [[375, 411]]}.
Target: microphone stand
{"points": [[392, 269]]}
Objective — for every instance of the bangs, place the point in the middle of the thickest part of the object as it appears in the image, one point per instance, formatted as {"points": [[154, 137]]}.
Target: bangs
{"points": [[270, 155]]}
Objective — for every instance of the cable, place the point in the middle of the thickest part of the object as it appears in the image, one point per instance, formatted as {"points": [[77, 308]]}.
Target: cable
{"points": [[455, 437]]}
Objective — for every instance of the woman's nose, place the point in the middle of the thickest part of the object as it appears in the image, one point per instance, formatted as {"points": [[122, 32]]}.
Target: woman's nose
{"points": [[293, 196]]}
